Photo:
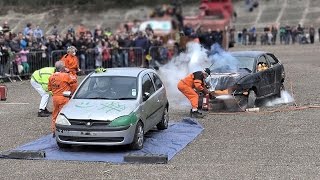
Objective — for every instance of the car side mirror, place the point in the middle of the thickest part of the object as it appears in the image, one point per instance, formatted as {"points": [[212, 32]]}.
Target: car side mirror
{"points": [[146, 96], [67, 93]]}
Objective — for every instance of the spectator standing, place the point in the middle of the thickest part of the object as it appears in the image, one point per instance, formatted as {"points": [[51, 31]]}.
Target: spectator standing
{"points": [[4, 56], [81, 30], [98, 54], [312, 32], [24, 60], [5, 27], [287, 34], [244, 36], [141, 42], [282, 34], [38, 34], [27, 29], [300, 33], [274, 33], [55, 30], [319, 33]]}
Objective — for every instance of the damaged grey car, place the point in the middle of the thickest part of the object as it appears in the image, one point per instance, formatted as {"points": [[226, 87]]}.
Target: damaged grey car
{"points": [[251, 76]]}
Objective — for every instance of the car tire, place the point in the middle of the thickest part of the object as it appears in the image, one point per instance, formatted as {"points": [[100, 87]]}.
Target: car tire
{"points": [[281, 88], [163, 124], [138, 138], [63, 146], [251, 99]]}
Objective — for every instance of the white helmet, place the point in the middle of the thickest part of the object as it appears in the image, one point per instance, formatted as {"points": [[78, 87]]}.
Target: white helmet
{"points": [[71, 48]]}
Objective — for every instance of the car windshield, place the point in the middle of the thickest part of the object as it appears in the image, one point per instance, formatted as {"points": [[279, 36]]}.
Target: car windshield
{"points": [[233, 64], [245, 63], [108, 87]]}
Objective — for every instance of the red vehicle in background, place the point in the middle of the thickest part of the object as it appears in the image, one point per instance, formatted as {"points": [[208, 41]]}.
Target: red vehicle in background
{"points": [[215, 15]]}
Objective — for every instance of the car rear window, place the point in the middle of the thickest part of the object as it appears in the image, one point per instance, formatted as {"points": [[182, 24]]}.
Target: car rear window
{"points": [[108, 87]]}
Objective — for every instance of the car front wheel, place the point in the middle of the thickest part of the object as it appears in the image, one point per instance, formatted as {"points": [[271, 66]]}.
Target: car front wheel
{"points": [[251, 99], [138, 137], [163, 124]]}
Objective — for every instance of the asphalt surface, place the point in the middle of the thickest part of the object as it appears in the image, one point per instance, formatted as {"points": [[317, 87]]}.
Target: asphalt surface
{"points": [[264, 145]]}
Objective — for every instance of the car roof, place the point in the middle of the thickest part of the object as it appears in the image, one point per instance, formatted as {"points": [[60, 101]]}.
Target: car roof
{"points": [[122, 71], [248, 53]]}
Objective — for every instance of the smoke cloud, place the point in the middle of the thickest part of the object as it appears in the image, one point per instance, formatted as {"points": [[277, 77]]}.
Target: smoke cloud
{"points": [[194, 59]]}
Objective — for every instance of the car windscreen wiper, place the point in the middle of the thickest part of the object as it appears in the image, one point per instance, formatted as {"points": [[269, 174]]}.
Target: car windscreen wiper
{"points": [[125, 98], [100, 98]]}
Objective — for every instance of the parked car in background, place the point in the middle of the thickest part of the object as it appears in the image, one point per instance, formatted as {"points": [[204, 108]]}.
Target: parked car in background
{"points": [[252, 75], [115, 107]]}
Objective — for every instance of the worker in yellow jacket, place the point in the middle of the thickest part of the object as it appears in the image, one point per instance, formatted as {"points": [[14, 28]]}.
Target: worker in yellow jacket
{"points": [[39, 81]]}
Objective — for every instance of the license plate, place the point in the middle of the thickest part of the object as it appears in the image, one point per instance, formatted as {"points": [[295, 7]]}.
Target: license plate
{"points": [[88, 133]]}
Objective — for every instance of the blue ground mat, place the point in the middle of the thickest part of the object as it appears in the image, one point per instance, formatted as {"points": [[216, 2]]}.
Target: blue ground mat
{"points": [[168, 142]]}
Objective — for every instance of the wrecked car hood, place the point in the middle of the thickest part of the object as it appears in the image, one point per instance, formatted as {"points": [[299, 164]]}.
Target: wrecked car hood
{"points": [[222, 81]]}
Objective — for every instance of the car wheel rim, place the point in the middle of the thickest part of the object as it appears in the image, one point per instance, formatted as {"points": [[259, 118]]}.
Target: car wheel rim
{"points": [[140, 136], [166, 117]]}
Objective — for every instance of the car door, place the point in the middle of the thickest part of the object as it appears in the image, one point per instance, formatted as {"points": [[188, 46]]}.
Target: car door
{"points": [[161, 96], [277, 72], [149, 104], [265, 78]]}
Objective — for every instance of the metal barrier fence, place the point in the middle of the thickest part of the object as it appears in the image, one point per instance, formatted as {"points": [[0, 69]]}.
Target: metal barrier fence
{"points": [[23, 64], [161, 54]]}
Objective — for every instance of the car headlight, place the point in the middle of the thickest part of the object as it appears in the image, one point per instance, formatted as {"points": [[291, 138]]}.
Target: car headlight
{"points": [[124, 120], [62, 120]]}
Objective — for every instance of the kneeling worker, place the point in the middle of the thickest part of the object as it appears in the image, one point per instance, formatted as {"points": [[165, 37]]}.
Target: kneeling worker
{"points": [[186, 86], [59, 82]]}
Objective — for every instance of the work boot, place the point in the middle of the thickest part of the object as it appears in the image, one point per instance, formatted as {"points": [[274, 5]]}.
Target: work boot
{"points": [[47, 111], [196, 114], [43, 114]]}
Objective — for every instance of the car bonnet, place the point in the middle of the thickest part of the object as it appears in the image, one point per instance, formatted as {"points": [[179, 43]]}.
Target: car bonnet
{"points": [[98, 109]]}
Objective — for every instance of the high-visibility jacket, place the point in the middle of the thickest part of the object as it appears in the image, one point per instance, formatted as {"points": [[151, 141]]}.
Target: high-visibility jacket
{"points": [[60, 82], [42, 75], [195, 80], [71, 62]]}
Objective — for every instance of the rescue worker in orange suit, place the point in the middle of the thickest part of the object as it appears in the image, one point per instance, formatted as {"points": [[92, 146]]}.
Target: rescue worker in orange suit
{"points": [[188, 85], [71, 63], [59, 82]]}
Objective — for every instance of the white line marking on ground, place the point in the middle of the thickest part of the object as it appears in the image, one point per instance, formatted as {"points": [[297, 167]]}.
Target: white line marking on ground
{"points": [[14, 103]]}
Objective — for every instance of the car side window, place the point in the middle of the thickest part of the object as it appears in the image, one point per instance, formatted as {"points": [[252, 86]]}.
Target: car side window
{"points": [[262, 64], [147, 85], [272, 59], [156, 80]]}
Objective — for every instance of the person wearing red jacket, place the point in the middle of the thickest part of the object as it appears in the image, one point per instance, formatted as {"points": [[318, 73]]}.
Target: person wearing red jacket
{"points": [[188, 85], [59, 82], [71, 63]]}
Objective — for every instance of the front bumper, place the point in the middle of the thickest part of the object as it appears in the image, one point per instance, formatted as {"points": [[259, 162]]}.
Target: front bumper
{"points": [[106, 136]]}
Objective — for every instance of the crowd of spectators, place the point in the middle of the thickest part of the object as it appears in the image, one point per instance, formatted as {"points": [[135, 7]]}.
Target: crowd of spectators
{"points": [[269, 35], [128, 46], [98, 43]]}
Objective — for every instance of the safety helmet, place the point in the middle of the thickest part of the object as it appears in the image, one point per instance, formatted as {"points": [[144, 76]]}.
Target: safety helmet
{"points": [[71, 48], [207, 70]]}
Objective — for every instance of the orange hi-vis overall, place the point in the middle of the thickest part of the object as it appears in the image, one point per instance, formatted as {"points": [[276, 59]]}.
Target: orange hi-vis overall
{"points": [[72, 63], [58, 83], [187, 85]]}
